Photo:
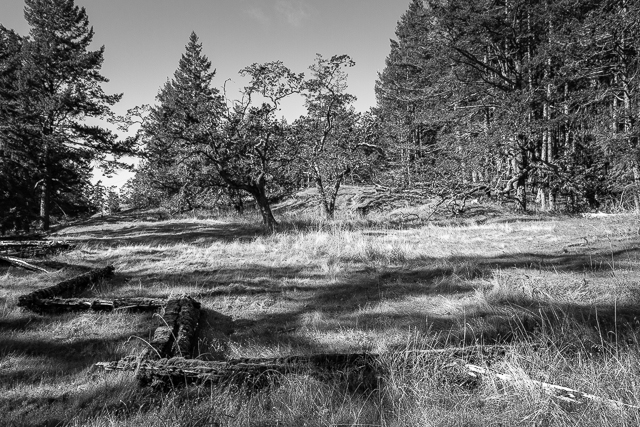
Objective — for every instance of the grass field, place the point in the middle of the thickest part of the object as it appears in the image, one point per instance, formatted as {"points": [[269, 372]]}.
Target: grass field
{"points": [[562, 293]]}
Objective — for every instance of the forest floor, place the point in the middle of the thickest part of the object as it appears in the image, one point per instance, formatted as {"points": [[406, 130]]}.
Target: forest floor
{"points": [[562, 293]]}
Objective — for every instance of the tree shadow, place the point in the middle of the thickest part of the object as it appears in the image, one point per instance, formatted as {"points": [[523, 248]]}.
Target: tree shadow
{"points": [[165, 233], [37, 358], [368, 299]]}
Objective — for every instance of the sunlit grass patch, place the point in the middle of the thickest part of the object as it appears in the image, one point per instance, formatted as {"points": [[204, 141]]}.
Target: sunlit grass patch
{"points": [[561, 293]]}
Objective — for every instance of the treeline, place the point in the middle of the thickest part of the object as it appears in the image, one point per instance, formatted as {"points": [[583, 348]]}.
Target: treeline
{"points": [[202, 149], [534, 101]]}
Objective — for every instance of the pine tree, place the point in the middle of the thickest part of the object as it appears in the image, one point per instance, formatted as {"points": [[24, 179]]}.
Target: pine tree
{"points": [[15, 177], [188, 111], [58, 87], [195, 141]]}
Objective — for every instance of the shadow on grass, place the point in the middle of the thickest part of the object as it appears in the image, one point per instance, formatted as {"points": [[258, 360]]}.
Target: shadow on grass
{"points": [[51, 408], [164, 233], [38, 353], [363, 300]]}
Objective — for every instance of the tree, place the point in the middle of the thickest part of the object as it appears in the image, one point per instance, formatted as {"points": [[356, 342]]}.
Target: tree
{"points": [[254, 151], [196, 141], [519, 99], [58, 87], [327, 130], [15, 165], [332, 135], [188, 109]]}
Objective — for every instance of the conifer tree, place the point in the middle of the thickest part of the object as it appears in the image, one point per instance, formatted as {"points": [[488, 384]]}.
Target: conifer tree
{"points": [[58, 86], [188, 112]]}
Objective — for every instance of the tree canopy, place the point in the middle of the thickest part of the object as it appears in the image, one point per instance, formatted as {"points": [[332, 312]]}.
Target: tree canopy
{"points": [[51, 98]]}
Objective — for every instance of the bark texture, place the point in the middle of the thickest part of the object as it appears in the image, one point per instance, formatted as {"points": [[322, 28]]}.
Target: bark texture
{"points": [[60, 305], [67, 289], [176, 334], [33, 248], [360, 370]]}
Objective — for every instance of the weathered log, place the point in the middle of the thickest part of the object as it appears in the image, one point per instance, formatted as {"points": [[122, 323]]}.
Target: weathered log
{"points": [[187, 324], [22, 264], [176, 334], [360, 370], [33, 247], [60, 305], [68, 288]]}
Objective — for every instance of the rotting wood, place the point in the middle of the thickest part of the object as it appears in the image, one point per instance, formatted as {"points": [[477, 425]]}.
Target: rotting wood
{"points": [[33, 247], [360, 370], [22, 264], [176, 334], [187, 326], [67, 288], [60, 305]]}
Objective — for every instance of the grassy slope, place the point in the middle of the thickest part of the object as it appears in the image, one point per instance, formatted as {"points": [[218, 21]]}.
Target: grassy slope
{"points": [[569, 284]]}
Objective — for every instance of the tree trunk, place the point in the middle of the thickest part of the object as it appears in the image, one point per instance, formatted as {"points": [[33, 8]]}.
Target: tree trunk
{"points": [[259, 193], [636, 186], [45, 190], [328, 200]]}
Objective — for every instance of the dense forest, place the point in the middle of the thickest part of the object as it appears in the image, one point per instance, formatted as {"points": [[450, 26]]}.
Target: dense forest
{"points": [[532, 103]]}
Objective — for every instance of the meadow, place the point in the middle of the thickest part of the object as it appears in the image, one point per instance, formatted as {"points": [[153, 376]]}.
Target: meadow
{"points": [[560, 293]]}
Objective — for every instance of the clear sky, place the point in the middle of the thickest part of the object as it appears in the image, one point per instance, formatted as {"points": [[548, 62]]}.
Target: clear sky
{"points": [[145, 38]]}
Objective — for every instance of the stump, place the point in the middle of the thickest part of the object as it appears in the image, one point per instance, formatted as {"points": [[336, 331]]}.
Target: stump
{"points": [[177, 333]]}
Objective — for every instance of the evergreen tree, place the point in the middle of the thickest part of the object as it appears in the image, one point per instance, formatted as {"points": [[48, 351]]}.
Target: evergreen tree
{"points": [[15, 165], [519, 99], [189, 108], [195, 142], [58, 86]]}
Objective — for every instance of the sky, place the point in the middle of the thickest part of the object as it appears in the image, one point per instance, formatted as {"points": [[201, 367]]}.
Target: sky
{"points": [[144, 40]]}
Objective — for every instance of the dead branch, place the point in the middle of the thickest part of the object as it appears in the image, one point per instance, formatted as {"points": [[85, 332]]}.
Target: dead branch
{"points": [[565, 394], [22, 264]]}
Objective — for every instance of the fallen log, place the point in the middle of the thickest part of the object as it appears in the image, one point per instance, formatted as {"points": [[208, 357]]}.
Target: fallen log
{"points": [[22, 264], [360, 370], [60, 305], [68, 288], [176, 334], [33, 247]]}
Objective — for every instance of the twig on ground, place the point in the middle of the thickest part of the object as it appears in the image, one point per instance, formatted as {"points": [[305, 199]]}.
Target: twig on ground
{"points": [[23, 264]]}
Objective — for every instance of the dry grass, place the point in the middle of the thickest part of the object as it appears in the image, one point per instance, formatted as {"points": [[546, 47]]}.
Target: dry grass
{"points": [[562, 292]]}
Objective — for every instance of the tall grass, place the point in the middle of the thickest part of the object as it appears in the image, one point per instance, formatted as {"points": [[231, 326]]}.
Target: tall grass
{"points": [[560, 293]]}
